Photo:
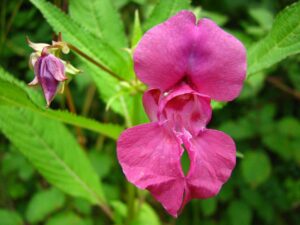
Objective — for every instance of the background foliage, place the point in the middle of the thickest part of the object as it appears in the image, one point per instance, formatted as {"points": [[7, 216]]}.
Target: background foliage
{"points": [[59, 168]]}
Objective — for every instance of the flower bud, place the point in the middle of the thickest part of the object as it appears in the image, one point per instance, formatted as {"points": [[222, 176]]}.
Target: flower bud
{"points": [[49, 72]]}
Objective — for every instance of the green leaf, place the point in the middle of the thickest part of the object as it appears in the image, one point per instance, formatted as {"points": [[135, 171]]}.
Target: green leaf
{"points": [[285, 142], [209, 206], [10, 218], [107, 86], [82, 206], [165, 9], [262, 16], [217, 105], [239, 129], [15, 93], [218, 18], [256, 168], [95, 47], [146, 216], [43, 204], [14, 162], [68, 218], [110, 130], [137, 32], [282, 41], [239, 213], [101, 19], [101, 162], [53, 151], [252, 86]]}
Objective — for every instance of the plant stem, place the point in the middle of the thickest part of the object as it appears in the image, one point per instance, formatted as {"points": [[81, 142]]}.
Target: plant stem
{"points": [[277, 83], [106, 210], [81, 138], [126, 113], [88, 99], [130, 188], [79, 52], [11, 19], [130, 203]]}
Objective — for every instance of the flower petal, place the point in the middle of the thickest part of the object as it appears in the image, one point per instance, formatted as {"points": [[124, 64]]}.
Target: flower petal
{"points": [[38, 47], [212, 154], [217, 62], [48, 82], [210, 59], [150, 158], [161, 57], [150, 102], [185, 109], [35, 81], [55, 67]]}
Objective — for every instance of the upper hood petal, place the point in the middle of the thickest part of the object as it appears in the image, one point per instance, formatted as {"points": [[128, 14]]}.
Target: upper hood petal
{"points": [[210, 59]]}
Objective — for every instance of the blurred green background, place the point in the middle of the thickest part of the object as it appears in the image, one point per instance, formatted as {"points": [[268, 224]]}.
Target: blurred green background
{"points": [[264, 121]]}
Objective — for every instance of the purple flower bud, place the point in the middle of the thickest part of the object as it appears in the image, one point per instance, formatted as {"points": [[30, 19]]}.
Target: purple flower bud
{"points": [[49, 71]]}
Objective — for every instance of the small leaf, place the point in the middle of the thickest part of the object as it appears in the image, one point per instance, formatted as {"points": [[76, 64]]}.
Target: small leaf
{"points": [[146, 216], [43, 203], [165, 9], [252, 86], [137, 32], [282, 41], [209, 206], [67, 218], [10, 218], [239, 213], [101, 162], [218, 18], [262, 16], [256, 168], [285, 142], [82, 206]]}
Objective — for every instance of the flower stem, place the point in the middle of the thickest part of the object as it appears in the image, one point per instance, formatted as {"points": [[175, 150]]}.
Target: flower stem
{"points": [[79, 52], [81, 138], [126, 112], [283, 87], [105, 208], [130, 188], [130, 203]]}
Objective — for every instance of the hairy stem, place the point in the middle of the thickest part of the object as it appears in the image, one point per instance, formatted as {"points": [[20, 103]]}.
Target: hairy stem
{"points": [[130, 203], [81, 138], [98, 64], [283, 87]]}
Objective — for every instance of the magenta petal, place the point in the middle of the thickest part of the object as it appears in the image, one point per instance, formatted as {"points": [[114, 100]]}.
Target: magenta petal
{"points": [[212, 154], [185, 109], [161, 57], [217, 63], [150, 102], [208, 58], [150, 158]]}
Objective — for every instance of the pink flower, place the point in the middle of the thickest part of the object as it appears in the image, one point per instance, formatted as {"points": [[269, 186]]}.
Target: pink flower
{"points": [[150, 153], [186, 64], [49, 72], [212, 61]]}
